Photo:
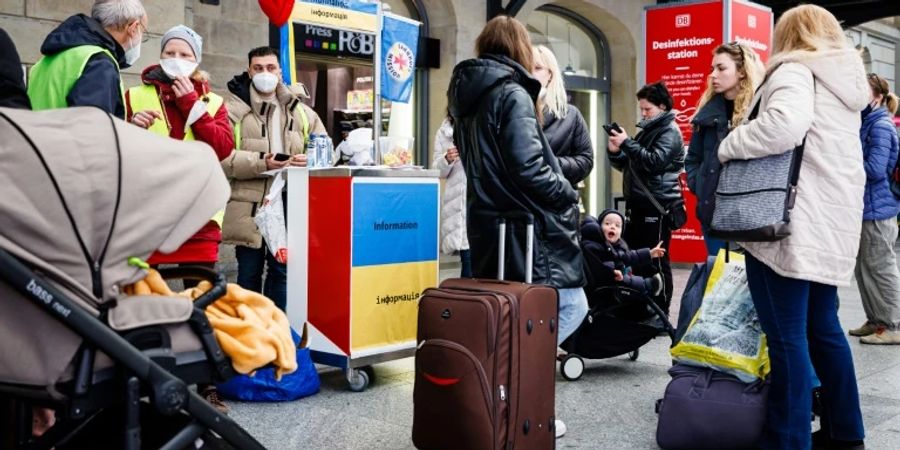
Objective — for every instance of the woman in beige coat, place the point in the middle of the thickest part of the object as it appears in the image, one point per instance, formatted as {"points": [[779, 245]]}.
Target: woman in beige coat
{"points": [[815, 88]]}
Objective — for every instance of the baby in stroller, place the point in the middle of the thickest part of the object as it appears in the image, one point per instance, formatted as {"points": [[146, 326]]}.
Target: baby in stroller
{"points": [[609, 258], [623, 316]]}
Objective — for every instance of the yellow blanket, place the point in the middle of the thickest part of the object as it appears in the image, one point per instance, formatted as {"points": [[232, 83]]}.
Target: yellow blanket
{"points": [[251, 330]]}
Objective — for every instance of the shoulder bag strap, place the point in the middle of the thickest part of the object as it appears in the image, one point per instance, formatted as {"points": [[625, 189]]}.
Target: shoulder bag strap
{"points": [[646, 191]]}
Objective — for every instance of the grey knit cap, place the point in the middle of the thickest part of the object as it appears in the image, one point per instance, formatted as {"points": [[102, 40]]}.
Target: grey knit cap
{"points": [[187, 35]]}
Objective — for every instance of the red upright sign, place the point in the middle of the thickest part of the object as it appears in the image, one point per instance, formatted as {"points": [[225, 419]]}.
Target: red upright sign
{"points": [[679, 43], [751, 24], [678, 49]]}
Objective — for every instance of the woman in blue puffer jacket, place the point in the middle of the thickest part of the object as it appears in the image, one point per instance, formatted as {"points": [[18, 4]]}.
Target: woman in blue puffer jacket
{"points": [[876, 264]]}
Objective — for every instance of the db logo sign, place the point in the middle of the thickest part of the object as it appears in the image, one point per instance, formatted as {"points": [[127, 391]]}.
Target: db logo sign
{"points": [[751, 21], [399, 62], [682, 20]]}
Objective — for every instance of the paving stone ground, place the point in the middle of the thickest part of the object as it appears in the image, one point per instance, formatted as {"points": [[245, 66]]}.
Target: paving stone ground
{"points": [[610, 407]]}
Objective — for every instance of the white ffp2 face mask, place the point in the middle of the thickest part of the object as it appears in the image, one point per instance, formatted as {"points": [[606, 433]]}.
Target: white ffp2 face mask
{"points": [[174, 67], [265, 82], [133, 53]]}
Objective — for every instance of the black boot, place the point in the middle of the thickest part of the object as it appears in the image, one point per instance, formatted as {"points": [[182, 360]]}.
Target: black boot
{"points": [[822, 441]]}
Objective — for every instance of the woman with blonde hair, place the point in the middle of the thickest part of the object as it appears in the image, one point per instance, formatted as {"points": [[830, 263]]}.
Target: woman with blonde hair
{"points": [[813, 94], [876, 264], [510, 168], [736, 73], [564, 126]]}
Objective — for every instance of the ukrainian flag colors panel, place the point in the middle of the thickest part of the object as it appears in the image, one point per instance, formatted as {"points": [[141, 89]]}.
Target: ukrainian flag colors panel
{"points": [[394, 223], [385, 302], [329, 258]]}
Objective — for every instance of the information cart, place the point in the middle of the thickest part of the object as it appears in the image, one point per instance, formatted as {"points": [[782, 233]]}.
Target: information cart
{"points": [[362, 246]]}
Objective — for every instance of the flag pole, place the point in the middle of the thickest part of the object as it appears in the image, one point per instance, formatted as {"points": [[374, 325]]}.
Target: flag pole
{"points": [[376, 64]]}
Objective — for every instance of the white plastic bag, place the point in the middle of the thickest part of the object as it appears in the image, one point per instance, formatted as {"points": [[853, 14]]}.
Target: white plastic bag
{"points": [[357, 148], [270, 220]]}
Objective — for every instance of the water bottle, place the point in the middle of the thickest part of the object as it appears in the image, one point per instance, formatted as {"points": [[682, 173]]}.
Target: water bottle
{"points": [[311, 156], [329, 156], [322, 148]]}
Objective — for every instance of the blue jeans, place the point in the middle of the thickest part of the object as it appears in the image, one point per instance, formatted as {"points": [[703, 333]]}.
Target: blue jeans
{"points": [[803, 332], [573, 307], [251, 262], [465, 262]]}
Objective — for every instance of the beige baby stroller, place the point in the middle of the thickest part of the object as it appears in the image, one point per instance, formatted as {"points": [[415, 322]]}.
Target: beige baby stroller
{"points": [[84, 198]]}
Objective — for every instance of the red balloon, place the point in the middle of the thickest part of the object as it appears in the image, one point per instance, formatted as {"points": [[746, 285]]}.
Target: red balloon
{"points": [[278, 11]]}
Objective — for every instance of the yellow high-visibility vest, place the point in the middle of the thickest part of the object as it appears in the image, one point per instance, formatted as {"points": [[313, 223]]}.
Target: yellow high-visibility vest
{"points": [[146, 98]]}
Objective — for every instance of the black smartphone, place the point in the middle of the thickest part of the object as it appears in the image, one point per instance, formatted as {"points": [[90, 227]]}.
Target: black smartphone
{"points": [[613, 126], [281, 157]]}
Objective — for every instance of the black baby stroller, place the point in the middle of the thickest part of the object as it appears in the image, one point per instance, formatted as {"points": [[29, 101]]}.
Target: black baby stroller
{"points": [[620, 320], [84, 198]]}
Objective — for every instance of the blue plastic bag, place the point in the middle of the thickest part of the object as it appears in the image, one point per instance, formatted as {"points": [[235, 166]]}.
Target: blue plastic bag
{"points": [[262, 386]]}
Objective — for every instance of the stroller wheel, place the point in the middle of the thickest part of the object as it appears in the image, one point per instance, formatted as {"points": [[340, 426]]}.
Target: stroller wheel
{"points": [[633, 356], [572, 367], [358, 380]]}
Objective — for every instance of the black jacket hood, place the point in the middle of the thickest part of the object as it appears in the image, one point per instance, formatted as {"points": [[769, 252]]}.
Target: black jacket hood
{"points": [[81, 30], [240, 86], [474, 77]]}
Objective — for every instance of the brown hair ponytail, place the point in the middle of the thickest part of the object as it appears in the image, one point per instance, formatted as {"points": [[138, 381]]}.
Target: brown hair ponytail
{"points": [[890, 101], [880, 86]]}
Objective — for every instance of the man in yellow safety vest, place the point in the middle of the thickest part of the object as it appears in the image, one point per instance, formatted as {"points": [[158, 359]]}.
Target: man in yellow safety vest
{"points": [[83, 56]]}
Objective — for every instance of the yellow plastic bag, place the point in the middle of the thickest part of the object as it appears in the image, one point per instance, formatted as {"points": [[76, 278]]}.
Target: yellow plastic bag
{"points": [[725, 333]]}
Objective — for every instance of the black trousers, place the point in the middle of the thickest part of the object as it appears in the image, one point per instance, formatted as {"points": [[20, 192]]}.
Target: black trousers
{"points": [[646, 227]]}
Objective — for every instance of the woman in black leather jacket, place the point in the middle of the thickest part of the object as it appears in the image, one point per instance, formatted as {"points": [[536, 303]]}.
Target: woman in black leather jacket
{"points": [[511, 169], [656, 156], [509, 164]]}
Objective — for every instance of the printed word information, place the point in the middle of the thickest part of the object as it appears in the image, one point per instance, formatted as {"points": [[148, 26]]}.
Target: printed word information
{"points": [[391, 226], [391, 299]]}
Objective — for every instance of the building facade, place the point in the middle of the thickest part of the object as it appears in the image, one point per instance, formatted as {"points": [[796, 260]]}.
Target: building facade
{"points": [[598, 39], [597, 43], [878, 42]]}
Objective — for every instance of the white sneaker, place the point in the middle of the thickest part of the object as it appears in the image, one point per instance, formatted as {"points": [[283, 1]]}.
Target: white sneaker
{"points": [[560, 428]]}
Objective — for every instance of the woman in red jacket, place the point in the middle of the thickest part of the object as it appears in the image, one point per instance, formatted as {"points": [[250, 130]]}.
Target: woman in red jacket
{"points": [[175, 101]]}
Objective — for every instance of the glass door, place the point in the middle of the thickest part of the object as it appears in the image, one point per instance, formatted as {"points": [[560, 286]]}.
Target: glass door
{"points": [[595, 189]]}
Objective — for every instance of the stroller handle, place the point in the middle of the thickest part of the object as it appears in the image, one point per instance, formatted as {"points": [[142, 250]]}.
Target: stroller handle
{"points": [[217, 279]]}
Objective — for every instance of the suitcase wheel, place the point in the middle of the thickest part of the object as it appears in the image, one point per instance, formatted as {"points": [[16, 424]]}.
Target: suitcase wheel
{"points": [[633, 356], [359, 379], [572, 367]]}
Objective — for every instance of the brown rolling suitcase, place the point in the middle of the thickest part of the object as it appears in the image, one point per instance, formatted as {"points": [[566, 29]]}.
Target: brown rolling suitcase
{"points": [[486, 362]]}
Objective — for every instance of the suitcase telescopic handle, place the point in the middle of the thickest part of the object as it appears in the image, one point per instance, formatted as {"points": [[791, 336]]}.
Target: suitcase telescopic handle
{"points": [[529, 243]]}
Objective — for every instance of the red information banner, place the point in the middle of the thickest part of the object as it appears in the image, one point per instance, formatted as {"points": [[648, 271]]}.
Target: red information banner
{"points": [[679, 41], [751, 24]]}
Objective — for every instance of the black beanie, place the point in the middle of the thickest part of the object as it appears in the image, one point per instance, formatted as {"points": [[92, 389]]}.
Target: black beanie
{"points": [[609, 211]]}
